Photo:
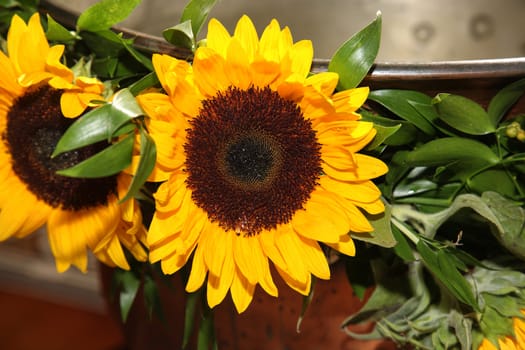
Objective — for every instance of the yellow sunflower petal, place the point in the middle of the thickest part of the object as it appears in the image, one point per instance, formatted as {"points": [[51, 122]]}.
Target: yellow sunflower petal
{"points": [[198, 271], [324, 82], [270, 42], [314, 258], [350, 100], [237, 65], [323, 219], [209, 71], [249, 258], [367, 168], [302, 287], [72, 232], [241, 292], [218, 285], [363, 191], [247, 36], [218, 37], [290, 247], [345, 245], [13, 220], [71, 105]]}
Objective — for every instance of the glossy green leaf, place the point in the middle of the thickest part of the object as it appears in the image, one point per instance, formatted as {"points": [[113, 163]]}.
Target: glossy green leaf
{"points": [[110, 161], [149, 80], [405, 134], [399, 102], [105, 14], [180, 35], [450, 149], [355, 57], [463, 114], [504, 100], [197, 11], [383, 133], [148, 156], [443, 268], [57, 32], [100, 123]]}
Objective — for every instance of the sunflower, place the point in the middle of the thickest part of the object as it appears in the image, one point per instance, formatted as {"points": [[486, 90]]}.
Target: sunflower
{"points": [[36, 92], [515, 342], [264, 167]]}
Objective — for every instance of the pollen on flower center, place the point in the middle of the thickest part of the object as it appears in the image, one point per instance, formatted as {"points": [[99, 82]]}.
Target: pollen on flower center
{"points": [[34, 126], [252, 159]]}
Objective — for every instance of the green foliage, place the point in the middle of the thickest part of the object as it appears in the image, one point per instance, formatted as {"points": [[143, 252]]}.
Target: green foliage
{"points": [[355, 57], [105, 14]]}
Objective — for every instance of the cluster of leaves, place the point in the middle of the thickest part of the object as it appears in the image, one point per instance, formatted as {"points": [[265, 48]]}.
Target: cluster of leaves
{"points": [[456, 191]]}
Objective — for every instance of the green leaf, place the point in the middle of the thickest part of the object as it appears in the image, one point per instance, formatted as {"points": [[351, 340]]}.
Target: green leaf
{"points": [[189, 316], [382, 235], [399, 102], [307, 299], [197, 11], [404, 135], [100, 123], [383, 133], [145, 82], [402, 248], [180, 35], [110, 161], [105, 14], [504, 100], [57, 32], [462, 328], [443, 267], [148, 156], [511, 218], [129, 285], [206, 334], [463, 114], [152, 298], [355, 57], [447, 150]]}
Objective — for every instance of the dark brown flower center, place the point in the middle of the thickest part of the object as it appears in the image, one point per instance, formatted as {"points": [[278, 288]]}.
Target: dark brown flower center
{"points": [[252, 159], [34, 126]]}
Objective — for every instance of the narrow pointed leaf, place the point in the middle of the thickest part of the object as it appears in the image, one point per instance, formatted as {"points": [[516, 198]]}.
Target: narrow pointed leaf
{"points": [[100, 124], [463, 114], [105, 14], [110, 161], [306, 302], [129, 285], [189, 316], [504, 100], [197, 11], [148, 156], [399, 102], [180, 35], [57, 32], [355, 57]]}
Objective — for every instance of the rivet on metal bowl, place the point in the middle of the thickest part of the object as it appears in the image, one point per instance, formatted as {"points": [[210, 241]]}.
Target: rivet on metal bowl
{"points": [[481, 26], [423, 32]]}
